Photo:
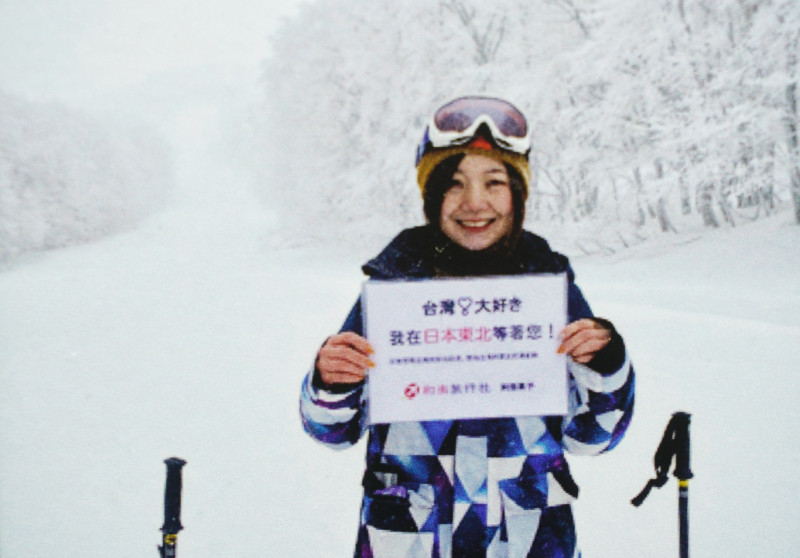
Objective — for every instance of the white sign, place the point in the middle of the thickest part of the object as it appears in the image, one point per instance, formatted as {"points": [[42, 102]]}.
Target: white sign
{"points": [[466, 348]]}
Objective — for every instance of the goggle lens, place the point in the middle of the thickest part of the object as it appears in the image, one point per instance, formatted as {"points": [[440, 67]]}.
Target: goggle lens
{"points": [[460, 114]]}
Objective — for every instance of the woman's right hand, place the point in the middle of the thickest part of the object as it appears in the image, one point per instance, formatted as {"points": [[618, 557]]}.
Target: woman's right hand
{"points": [[344, 359]]}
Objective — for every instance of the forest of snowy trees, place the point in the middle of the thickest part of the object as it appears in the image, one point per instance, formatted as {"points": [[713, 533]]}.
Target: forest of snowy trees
{"points": [[648, 117], [67, 178]]}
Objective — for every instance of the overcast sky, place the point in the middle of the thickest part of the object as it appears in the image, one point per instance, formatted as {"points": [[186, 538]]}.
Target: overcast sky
{"points": [[174, 64]]}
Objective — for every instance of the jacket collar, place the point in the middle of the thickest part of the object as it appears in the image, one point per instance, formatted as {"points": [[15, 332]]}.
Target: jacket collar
{"points": [[413, 254]]}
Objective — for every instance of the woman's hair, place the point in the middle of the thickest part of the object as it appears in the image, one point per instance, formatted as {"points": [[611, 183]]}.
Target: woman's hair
{"points": [[441, 178], [439, 182]]}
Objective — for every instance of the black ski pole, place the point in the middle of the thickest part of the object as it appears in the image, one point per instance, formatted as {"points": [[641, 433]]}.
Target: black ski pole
{"points": [[683, 472], [674, 443], [172, 508]]}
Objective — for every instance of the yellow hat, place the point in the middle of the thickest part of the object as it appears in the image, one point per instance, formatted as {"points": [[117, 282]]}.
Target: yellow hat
{"points": [[479, 146]]}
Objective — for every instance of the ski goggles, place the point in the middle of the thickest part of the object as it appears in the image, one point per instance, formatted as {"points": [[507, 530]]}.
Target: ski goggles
{"points": [[456, 124]]}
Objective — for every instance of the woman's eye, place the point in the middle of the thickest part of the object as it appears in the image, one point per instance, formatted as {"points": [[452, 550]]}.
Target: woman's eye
{"points": [[493, 183]]}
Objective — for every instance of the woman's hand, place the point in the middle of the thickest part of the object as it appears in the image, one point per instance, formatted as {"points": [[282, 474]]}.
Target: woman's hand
{"points": [[344, 359], [583, 339]]}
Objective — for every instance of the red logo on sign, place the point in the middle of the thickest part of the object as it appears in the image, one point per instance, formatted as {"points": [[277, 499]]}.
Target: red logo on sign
{"points": [[412, 390]]}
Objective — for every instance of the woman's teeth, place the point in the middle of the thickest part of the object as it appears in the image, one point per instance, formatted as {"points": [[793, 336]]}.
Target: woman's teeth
{"points": [[476, 224]]}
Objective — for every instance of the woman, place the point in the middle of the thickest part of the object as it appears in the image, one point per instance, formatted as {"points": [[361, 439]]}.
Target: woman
{"points": [[481, 487]]}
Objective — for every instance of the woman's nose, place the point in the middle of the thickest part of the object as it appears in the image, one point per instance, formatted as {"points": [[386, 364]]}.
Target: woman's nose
{"points": [[474, 196]]}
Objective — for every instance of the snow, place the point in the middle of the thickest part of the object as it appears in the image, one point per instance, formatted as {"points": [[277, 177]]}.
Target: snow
{"points": [[190, 335]]}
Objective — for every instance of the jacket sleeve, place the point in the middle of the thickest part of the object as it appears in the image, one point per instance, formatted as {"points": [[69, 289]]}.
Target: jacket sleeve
{"points": [[601, 391], [335, 415]]}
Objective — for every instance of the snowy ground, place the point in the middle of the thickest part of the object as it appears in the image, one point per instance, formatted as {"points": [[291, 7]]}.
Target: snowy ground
{"points": [[190, 335]]}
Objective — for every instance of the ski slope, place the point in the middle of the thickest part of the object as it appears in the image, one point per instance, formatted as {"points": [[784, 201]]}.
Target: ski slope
{"points": [[190, 335]]}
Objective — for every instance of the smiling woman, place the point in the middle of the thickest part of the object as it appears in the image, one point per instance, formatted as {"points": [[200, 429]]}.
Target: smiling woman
{"points": [[472, 487]]}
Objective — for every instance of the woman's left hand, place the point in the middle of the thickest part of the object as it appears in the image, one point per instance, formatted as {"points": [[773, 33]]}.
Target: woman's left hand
{"points": [[583, 339]]}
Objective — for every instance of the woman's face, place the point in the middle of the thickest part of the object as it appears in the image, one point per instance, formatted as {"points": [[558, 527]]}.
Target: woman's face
{"points": [[478, 209]]}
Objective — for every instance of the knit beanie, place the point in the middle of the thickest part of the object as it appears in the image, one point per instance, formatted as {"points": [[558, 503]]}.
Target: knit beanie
{"points": [[478, 146]]}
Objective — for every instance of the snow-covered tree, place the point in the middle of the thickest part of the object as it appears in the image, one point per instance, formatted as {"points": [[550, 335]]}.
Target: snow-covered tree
{"points": [[648, 116], [66, 178]]}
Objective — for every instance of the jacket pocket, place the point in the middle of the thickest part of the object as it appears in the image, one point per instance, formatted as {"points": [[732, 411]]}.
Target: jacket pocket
{"points": [[401, 520], [527, 492], [404, 507], [543, 483]]}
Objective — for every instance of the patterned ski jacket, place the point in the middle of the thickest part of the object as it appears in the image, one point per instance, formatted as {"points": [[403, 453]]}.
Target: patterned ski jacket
{"points": [[482, 487]]}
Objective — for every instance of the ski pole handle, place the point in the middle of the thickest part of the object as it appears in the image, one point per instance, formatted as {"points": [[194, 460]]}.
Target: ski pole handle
{"points": [[172, 507], [683, 470]]}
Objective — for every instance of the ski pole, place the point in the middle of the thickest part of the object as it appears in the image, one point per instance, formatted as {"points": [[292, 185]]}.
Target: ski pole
{"points": [[683, 473], [674, 443], [172, 508]]}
